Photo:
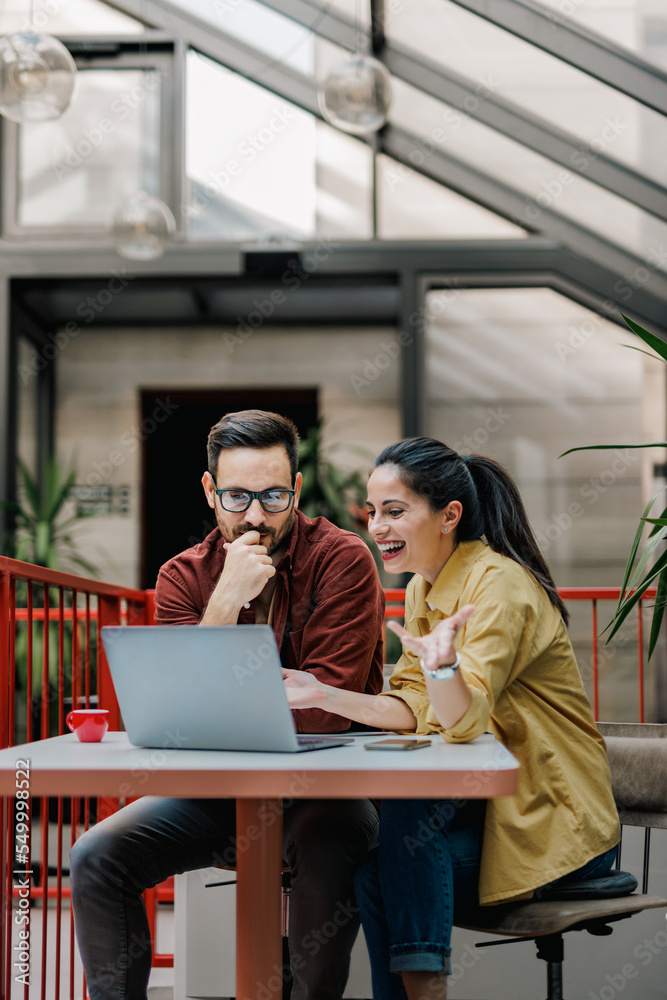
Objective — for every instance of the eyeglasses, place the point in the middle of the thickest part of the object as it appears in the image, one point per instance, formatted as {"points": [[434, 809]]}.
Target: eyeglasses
{"points": [[272, 501]]}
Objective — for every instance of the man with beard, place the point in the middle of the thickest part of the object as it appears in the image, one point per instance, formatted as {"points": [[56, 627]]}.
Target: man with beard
{"points": [[317, 586]]}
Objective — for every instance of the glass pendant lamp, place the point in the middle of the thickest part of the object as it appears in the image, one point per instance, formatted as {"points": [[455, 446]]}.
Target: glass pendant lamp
{"points": [[37, 77], [355, 97], [142, 227]]}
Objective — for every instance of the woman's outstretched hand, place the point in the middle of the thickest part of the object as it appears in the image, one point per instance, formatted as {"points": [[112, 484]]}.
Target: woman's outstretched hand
{"points": [[303, 689], [437, 648]]}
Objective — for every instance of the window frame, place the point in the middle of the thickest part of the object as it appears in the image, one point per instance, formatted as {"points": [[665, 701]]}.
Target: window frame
{"points": [[152, 51]]}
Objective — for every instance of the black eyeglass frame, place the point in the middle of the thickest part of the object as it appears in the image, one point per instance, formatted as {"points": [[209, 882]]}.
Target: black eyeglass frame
{"points": [[255, 496]]}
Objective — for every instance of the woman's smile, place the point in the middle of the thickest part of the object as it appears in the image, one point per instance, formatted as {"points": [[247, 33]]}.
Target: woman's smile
{"points": [[389, 550]]}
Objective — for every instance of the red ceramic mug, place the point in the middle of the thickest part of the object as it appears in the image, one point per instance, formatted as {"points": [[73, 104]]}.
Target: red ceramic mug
{"points": [[89, 724]]}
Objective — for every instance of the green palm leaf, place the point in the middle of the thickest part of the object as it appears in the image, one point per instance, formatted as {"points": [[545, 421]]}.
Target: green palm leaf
{"points": [[30, 487], [656, 343], [635, 595], [651, 569], [613, 447]]}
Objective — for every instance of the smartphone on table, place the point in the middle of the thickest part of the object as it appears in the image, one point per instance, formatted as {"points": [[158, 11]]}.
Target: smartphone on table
{"points": [[398, 744]]}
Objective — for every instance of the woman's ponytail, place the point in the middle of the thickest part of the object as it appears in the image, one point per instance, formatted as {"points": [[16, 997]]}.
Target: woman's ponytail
{"points": [[506, 524]]}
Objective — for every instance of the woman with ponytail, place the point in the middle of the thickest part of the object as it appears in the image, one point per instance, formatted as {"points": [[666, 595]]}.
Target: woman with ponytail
{"points": [[486, 649]]}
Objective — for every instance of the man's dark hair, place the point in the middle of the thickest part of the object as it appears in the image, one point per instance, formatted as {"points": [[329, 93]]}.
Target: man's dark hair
{"points": [[253, 429]]}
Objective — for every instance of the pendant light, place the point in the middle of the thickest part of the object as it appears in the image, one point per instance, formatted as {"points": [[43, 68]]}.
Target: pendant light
{"points": [[356, 96], [142, 227], [37, 77]]}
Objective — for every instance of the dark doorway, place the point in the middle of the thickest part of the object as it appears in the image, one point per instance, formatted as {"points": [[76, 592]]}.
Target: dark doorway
{"points": [[175, 426]]}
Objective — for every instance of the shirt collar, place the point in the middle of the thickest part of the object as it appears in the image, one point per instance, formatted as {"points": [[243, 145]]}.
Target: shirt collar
{"points": [[293, 538], [444, 594]]}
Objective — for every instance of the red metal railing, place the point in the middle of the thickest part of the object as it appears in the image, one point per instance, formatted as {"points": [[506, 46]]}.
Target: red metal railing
{"points": [[49, 627], [610, 595], [395, 609]]}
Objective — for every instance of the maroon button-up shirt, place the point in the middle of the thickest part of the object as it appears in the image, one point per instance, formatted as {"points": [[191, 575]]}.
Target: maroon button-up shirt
{"points": [[327, 613]]}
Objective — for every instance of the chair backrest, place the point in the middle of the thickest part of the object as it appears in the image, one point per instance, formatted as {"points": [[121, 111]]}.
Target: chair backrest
{"points": [[637, 754]]}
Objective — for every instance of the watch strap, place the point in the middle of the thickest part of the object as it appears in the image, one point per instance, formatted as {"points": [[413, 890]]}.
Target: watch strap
{"points": [[442, 673]]}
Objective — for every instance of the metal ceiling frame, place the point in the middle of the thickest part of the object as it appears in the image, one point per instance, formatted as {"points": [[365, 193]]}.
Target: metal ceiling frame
{"points": [[565, 257], [479, 103], [301, 90], [514, 205], [577, 45], [458, 265]]}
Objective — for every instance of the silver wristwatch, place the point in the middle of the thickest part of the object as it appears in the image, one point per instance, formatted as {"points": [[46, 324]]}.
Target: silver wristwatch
{"points": [[443, 673]]}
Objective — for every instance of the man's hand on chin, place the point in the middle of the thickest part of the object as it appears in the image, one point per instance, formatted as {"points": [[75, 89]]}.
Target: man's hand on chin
{"points": [[246, 572]]}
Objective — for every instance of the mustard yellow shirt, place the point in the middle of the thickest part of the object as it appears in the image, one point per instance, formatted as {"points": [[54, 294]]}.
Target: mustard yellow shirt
{"points": [[518, 661]]}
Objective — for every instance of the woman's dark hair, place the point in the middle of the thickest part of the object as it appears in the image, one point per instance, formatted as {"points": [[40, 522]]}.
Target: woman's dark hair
{"points": [[253, 429], [492, 504]]}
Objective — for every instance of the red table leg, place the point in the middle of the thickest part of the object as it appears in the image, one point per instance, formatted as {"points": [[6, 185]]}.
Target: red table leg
{"points": [[259, 854]]}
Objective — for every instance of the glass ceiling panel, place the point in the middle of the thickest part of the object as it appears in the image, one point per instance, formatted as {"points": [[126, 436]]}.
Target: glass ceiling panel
{"points": [[267, 169], [66, 17], [544, 182], [413, 207], [354, 10], [638, 25], [264, 29], [74, 171], [595, 114]]}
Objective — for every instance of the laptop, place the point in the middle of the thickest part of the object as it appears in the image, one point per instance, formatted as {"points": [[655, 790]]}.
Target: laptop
{"points": [[216, 687]]}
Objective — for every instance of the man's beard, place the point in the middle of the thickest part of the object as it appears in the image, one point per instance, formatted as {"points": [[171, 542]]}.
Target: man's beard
{"points": [[277, 536]]}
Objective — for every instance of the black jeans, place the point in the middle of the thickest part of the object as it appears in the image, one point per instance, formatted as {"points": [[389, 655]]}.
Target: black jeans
{"points": [[153, 838]]}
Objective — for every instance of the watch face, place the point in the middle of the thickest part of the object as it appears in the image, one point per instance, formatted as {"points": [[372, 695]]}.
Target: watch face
{"points": [[443, 673]]}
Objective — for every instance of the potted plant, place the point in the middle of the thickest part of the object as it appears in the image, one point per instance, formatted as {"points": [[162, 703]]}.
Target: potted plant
{"points": [[329, 492], [43, 536], [648, 569]]}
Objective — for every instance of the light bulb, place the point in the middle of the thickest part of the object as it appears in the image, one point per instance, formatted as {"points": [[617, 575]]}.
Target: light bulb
{"points": [[356, 96], [142, 227], [37, 77]]}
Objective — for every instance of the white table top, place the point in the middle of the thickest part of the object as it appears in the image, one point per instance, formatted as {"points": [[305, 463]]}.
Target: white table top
{"points": [[64, 766]]}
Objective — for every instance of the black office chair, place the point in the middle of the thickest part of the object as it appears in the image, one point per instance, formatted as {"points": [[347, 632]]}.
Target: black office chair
{"points": [[638, 761]]}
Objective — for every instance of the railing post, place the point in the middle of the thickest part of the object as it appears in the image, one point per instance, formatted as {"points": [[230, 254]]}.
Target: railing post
{"points": [[640, 654], [5, 585], [596, 675], [142, 612], [149, 608]]}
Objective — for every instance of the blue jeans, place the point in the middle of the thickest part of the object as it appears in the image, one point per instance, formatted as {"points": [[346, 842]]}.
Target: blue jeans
{"points": [[144, 843], [428, 857]]}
